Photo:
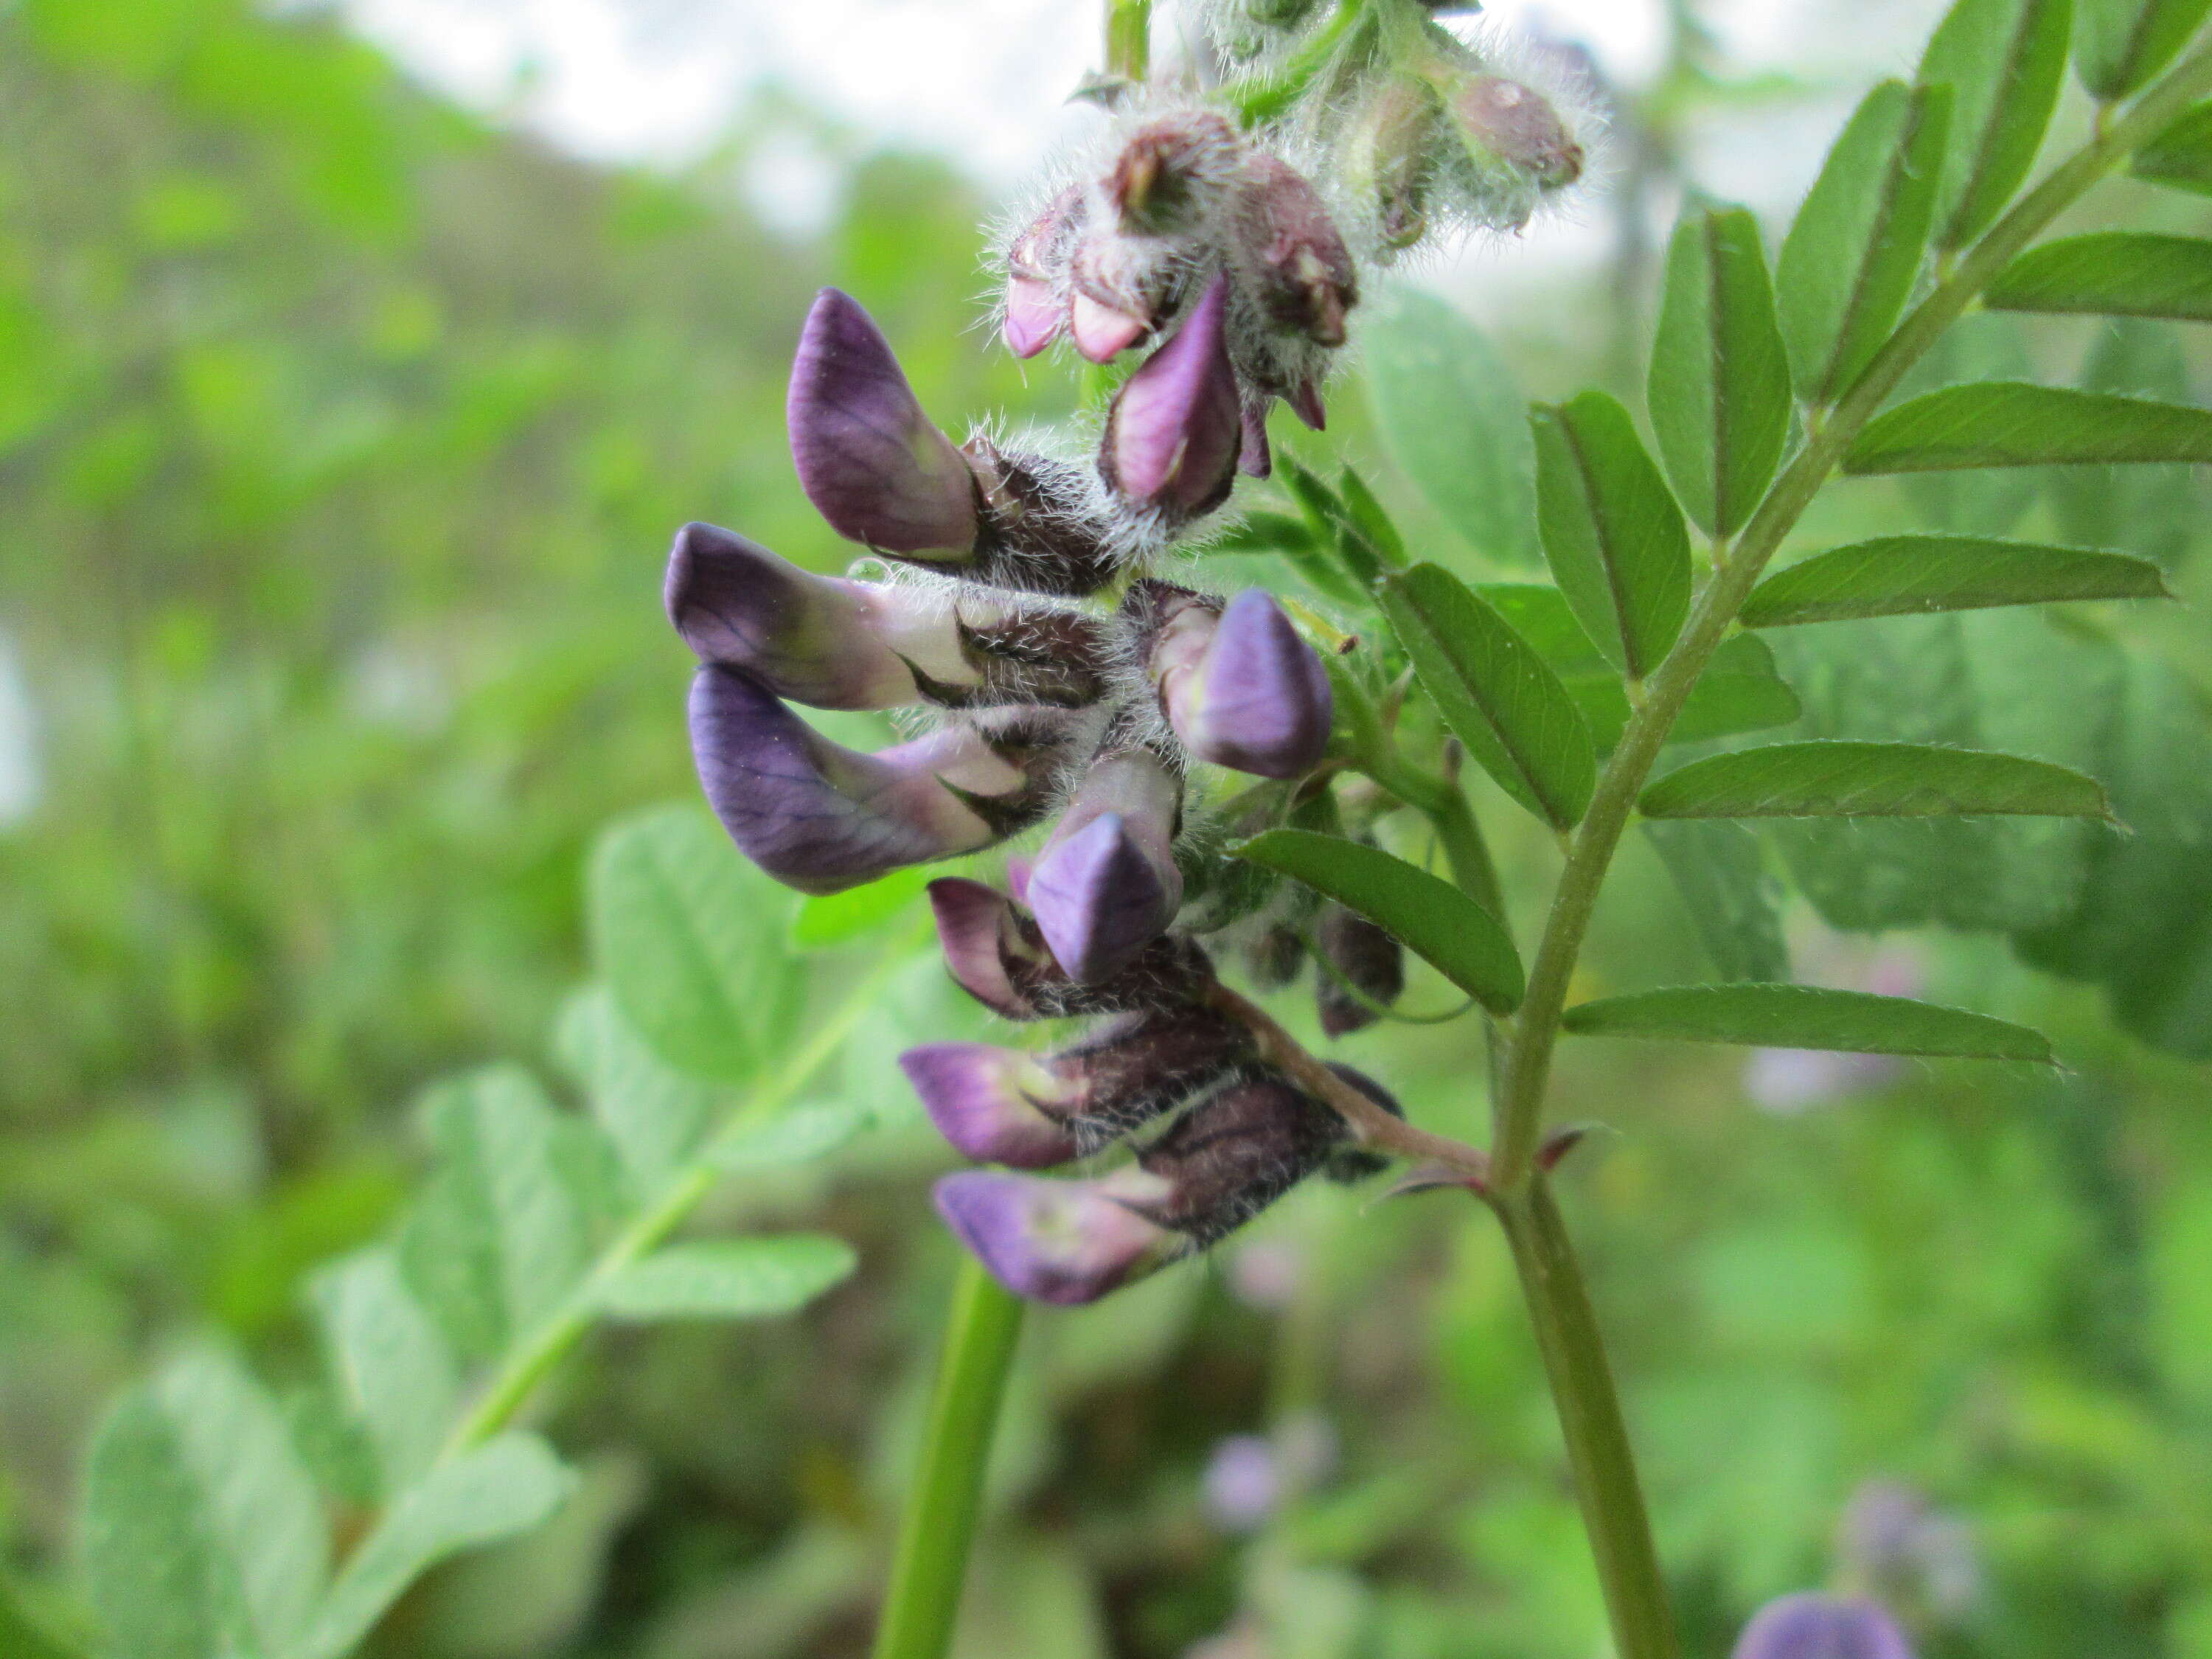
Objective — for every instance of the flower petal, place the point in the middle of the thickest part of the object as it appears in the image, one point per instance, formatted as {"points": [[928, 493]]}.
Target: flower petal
{"points": [[1258, 699], [1177, 428], [1814, 1626], [1065, 1242], [991, 1104]]}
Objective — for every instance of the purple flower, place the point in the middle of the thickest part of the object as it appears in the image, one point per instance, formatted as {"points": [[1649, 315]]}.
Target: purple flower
{"points": [[1254, 459], [1035, 310], [1106, 884], [1033, 316], [1237, 1152], [1814, 1626], [1120, 288], [1064, 1242], [1371, 962], [1288, 254], [1175, 429], [995, 1105], [1247, 692], [821, 817], [1243, 1482], [867, 457], [998, 956]]}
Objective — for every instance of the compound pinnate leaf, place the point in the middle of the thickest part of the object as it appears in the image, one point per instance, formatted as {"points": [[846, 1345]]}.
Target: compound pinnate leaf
{"points": [[1614, 536], [204, 1532], [653, 1115], [2180, 157], [1740, 691], [1806, 1017], [505, 1487], [2005, 62], [2012, 424], [689, 937], [1454, 423], [2119, 44], [1432, 918], [1720, 870], [796, 1136], [1910, 576], [1853, 253], [729, 1278], [1494, 690], [1849, 779], [1719, 392], [2118, 273], [394, 1370]]}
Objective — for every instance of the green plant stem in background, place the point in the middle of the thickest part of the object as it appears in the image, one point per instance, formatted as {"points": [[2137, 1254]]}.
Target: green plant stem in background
{"points": [[1128, 38], [1574, 1355], [1589, 1421], [923, 1600]]}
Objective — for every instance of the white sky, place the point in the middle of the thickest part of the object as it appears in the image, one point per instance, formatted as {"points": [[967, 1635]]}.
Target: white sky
{"points": [[986, 80]]}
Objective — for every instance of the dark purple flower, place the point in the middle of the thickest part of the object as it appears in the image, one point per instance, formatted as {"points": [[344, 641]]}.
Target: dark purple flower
{"points": [[1814, 1626], [1504, 121], [1237, 1152], [1064, 1242], [1254, 696], [1254, 459], [821, 817], [995, 1105], [1106, 884], [1370, 961], [1288, 254], [1175, 429], [867, 457], [998, 957]]}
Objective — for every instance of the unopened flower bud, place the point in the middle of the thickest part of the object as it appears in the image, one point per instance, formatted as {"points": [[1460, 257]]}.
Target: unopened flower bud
{"points": [[1106, 884], [821, 817], [1388, 156], [1034, 309], [1506, 123], [868, 457], [1371, 962], [998, 956], [1172, 171], [1274, 957], [1290, 254], [1064, 1242], [1811, 1626], [1236, 1152], [1242, 689], [1174, 434], [1123, 288]]}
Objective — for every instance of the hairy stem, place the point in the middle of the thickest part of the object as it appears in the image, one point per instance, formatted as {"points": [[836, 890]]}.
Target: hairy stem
{"points": [[923, 1600], [1551, 1280]]}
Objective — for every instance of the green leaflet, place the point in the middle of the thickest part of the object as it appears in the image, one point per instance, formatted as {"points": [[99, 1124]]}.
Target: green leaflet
{"points": [[1806, 1017], [1975, 502], [1905, 575], [2005, 62], [831, 919], [2149, 510], [653, 1114], [1433, 918], [1853, 253], [797, 1136], [1719, 387], [2181, 156], [729, 1278], [394, 1372], [687, 935], [22, 1638], [1368, 519], [1495, 691], [1614, 536], [1720, 870], [1454, 423], [1335, 528], [2119, 44], [1840, 778], [2010, 424], [2115, 273]]}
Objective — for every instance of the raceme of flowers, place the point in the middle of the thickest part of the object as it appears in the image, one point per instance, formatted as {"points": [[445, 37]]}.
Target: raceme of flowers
{"points": [[1051, 676]]}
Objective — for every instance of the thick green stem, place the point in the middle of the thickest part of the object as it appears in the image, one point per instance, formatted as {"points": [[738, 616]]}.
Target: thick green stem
{"points": [[923, 1598], [1129, 39], [1589, 1421]]}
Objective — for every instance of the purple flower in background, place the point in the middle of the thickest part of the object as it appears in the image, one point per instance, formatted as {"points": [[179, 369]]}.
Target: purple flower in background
{"points": [[1814, 1626], [1910, 1554], [1242, 1483]]}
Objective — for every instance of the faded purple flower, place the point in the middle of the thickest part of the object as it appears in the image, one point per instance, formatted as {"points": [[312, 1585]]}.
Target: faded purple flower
{"points": [[1288, 252], [821, 817], [1244, 689], [1106, 884], [1814, 1626], [1508, 122], [1064, 1242], [1176, 427], [867, 456], [995, 1105]]}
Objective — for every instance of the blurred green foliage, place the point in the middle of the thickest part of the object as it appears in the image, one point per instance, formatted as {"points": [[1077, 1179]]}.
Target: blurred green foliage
{"points": [[339, 436]]}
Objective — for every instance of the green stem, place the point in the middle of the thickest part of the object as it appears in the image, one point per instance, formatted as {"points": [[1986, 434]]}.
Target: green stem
{"points": [[923, 1598], [1589, 1421], [528, 1366], [1129, 39]]}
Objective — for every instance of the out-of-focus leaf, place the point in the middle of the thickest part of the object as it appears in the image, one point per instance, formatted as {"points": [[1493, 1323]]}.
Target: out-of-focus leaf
{"points": [[1370, 519], [1973, 502], [2009, 424], [203, 1533], [2119, 45], [1262, 532], [1454, 423], [1838, 778], [1807, 1017], [1335, 528], [1719, 391], [688, 935], [1853, 252], [729, 1278], [1740, 691], [2005, 62], [1433, 918], [653, 1114], [1614, 535], [1495, 691], [2120, 273], [21, 1638], [505, 1487], [393, 1370], [2181, 156], [825, 919], [1907, 575], [796, 1136], [2153, 511], [1719, 867]]}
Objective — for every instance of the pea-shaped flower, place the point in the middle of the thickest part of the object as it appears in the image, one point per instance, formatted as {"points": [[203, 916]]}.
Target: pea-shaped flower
{"points": [[1814, 1626]]}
